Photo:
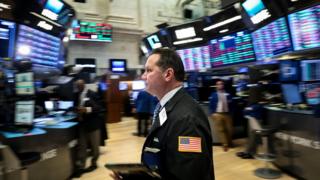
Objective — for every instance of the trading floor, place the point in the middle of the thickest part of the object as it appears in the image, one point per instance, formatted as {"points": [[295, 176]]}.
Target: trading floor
{"points": [[124, 147]]}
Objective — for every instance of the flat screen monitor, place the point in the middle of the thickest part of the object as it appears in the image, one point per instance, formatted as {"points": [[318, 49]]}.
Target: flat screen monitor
{"points": [[138, 85], [54, 6], [270, 40], [256, 10], [305, 28], [134, 94], [312, 93], [289, 71], [291, 93], [24, 83], [24, 113], [154, 41], [195, 58], [118, 65], [43, 49], [123, 86], [91, 31], [310, 70], [65, 105], [7, 38], [231, 49], [50, 105]]}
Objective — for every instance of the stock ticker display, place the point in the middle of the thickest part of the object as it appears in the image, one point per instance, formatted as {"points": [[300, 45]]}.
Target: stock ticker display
{"points": [[305, 28], [231, 49], [91, 31], [271, 40], [43, 49], [195, 58]]}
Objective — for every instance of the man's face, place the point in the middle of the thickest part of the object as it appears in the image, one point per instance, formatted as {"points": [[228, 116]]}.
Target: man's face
{"points": [[220, 85], [153, 76]]}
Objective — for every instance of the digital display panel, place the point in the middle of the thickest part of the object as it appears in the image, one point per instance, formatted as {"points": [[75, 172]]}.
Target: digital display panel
{"points": [[43, 49], [54, 5], [291, 93], [24, 113], [289, 71], [253, 7], [271, 40], [310, 70], [7, 38], [24, 83], [312, 93], [91, 31], [118, 65], [231, 49], [305, 28], [195, 58], [138, 85]]}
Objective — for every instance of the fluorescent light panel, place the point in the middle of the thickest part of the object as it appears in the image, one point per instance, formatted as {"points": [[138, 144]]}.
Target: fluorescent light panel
{"points": [[185, 33], [187, 41], [222, 23]]}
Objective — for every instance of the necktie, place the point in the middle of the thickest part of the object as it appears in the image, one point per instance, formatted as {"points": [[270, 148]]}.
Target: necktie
{"points": [[155, 120]]}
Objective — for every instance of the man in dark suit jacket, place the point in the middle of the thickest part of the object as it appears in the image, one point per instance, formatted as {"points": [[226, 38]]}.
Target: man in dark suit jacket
{"points": [[89, 127], [220, 108], [178, 146]]}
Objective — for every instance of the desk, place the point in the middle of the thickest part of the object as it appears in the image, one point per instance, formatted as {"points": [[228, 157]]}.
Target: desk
{"points": [[298, 141], [55, 143]]}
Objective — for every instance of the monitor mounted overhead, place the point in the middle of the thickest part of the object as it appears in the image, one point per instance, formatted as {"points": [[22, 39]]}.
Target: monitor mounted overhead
{"points": [[256, 10], [118, 65]]}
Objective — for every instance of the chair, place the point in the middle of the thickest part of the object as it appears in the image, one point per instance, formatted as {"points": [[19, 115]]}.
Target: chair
{"points": [[266, 132]]}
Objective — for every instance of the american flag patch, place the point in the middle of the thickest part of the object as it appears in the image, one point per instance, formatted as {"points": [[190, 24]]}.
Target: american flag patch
{"points": [[189, 144]]}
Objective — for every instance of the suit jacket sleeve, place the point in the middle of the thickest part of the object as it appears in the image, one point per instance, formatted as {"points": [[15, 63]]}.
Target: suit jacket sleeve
{"points": [[189, 165]]}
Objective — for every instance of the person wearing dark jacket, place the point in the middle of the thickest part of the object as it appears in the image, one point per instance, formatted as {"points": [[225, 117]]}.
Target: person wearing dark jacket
{"points": [[178, 146], [88, 129]]}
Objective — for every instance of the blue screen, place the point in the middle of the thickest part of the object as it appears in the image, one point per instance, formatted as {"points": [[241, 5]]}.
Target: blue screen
{"points": [[118, 65], [312, 93], [305, 28], [291, 93], [310, 70], [271, 40], [7, 38], [253, 7], [289, 71], [54, 5]]}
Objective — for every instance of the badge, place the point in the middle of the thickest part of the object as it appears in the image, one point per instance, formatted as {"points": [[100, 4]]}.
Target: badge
{"points": [[163, 116]]}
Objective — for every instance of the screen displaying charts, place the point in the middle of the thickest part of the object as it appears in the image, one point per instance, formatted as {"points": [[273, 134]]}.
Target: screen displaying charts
{"points": [[43, 49], [231, 49], [271, 40], [195, 58], [305, 28], [7, 38]]}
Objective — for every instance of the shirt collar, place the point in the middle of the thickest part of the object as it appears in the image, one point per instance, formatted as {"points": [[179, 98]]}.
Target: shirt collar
{"points": [[169, 95]]}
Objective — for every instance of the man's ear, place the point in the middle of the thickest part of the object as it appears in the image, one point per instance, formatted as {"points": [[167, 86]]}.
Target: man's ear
{"points": [[169, 74]]}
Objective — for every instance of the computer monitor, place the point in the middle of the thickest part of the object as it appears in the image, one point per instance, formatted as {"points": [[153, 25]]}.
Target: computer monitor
{"points": [[50, 106], [310, 70], [138, 85], [118, 65], [289, 71], [312, 93], [291, 93], [24, 113], [65, 105], [24, 84], [123, 86]]}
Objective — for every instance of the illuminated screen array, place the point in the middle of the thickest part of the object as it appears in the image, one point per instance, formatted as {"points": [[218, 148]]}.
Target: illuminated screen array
{"points": [[195, 58], [271, 40], [231, 49], [91, 31], [310, 70], [7, 37], [305, 28], [43, 49]]}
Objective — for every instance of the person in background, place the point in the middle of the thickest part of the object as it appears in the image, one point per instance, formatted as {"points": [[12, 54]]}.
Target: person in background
{"points": [[144, 105], [220, 108], [88, 129], [179, 144]]}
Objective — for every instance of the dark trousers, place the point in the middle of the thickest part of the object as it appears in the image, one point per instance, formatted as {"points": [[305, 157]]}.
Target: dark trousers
{"points": [[87, 140], [143, 118]]}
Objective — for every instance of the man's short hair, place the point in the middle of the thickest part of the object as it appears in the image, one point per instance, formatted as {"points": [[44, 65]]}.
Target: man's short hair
{"points": [[170, 59]]}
